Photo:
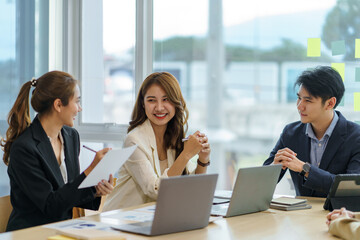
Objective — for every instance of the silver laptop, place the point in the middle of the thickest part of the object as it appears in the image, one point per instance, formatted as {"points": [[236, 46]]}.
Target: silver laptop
{"points": [[184, 203], [253, 191]]}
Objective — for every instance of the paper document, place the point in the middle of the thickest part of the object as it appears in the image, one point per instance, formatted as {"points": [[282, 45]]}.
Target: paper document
{"points": [[224, 194], [78, 224], [111, 162], [91, 234]]}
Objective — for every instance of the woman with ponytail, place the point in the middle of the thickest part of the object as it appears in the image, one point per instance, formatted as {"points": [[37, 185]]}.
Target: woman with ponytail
{"points": [[158, 126], [43, 155]]}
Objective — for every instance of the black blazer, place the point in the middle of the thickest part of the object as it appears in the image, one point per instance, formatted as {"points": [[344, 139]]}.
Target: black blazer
{"points": [[37, 190], [342, 155]]}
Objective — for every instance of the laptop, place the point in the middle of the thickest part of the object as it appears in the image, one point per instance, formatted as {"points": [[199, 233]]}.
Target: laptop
{"points": [[184, 203], [253, 191]]}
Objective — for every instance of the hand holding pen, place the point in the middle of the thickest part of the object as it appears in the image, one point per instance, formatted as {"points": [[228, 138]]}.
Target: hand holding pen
{"points": [[89, 148], [197, 143], [200, 145], [202, 138], [98, 156], [204, 154], [192, 145]]}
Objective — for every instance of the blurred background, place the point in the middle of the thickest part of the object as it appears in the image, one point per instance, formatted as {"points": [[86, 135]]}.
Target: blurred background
{"points": [[236, 62]]}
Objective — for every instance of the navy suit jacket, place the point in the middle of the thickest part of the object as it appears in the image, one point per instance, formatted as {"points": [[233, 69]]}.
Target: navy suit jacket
{"points": [[37, 190], [342, 155]]}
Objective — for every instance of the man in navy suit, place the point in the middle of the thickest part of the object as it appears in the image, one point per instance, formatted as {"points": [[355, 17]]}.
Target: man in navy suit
{"points": [[323, 143]]}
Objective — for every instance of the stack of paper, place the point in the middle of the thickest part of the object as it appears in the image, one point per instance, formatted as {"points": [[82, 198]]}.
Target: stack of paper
{"points": [[288, 204]]}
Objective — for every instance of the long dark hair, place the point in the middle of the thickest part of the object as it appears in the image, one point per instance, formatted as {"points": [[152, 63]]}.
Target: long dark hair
{"points": [[177, 126], [49, 87]]}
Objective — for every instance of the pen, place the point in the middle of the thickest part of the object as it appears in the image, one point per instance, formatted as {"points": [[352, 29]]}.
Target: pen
{"points": [[89, 149], [185, 139]]}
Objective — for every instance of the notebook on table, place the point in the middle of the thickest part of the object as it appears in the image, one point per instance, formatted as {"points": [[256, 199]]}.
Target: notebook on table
{"points": [[184, 203], [290, 207], [253, 191]]}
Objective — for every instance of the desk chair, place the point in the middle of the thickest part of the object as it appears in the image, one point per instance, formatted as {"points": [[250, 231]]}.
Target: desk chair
{"points": [[78, 212], [5, 210]]}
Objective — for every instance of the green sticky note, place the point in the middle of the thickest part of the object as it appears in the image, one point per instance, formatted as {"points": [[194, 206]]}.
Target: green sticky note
{"points": [[341, 104], [357, 48], [338, 47], [357, 101], [340, 67], [313, 47], [357, 74]]}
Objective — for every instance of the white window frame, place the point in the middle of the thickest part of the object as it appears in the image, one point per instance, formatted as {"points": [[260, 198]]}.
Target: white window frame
{"points": [[72, 62]]}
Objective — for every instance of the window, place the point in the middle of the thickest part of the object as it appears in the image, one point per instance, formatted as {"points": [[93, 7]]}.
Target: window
{"points": [[237, 62], [7, 77], [108, 53], [24, 54]]}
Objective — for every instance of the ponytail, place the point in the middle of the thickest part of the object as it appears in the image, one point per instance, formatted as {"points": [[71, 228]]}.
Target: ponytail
{"points": [[49, 87], [18, 119]]}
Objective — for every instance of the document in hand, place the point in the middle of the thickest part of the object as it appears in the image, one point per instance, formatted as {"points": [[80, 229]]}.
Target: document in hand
{"points": [[111, 162]]}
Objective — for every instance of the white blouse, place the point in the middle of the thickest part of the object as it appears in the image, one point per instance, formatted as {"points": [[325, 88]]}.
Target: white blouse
{"points": [[139, 178], [62, 159]]}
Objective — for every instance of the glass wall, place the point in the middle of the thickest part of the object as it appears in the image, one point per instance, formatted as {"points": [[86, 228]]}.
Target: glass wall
{"points": [[237, 62], [108, 50], [8, 78], [24, 54]]}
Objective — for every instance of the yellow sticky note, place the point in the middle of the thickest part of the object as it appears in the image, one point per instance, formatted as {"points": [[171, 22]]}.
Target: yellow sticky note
{"points": [[60, 237], [340, 67], [357, 48], [357, 101], [313, 47]]}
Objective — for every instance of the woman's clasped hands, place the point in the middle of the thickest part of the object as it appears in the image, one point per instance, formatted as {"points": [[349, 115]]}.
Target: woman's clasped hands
{"points": [[197, 143], [339, 213]]}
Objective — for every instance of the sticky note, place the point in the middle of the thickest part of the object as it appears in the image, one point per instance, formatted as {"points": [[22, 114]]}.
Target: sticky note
{"points": [[357, 74], [313, 47], [338, 47], [357, 101], [60, 237], [340, 67], [357, 48]]}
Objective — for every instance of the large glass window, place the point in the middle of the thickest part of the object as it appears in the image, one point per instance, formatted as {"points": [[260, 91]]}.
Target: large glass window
{"points": [[108, 50], [24, 54], [237, 62], [8, 79], [7, 58]]}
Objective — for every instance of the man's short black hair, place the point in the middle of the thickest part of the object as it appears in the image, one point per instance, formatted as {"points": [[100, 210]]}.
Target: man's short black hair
{"points": [[323, 82]]}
